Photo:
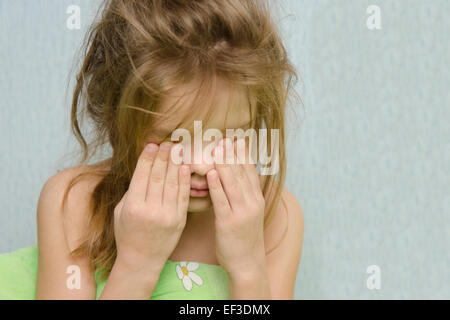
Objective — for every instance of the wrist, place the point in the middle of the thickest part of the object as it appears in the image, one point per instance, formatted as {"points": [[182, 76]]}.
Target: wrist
{"points": [[130, 281], [252, 283], [249, 271], [142, 268]]}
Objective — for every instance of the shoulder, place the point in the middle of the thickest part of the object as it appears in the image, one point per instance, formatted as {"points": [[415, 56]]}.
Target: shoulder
{"points": [[292, 207], [289, 211], [61, 229], [287, 217], [54, 188], [284, 242], [63, 177], [74, 214]]}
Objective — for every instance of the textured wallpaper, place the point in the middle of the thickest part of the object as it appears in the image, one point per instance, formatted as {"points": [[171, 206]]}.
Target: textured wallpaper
{"points": [[368, 151]]}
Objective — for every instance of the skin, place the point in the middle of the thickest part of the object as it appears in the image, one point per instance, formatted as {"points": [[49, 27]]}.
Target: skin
{"points": [[157, 210]]}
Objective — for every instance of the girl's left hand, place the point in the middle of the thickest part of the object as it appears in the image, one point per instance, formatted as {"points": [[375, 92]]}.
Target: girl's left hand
{"points": [[238, 205]]}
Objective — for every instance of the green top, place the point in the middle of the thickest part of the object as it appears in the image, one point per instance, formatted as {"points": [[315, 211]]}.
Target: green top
{"points": [[178, 279]]}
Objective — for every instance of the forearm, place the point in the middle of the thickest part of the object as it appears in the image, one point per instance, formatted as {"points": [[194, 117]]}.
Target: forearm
{"points": [[125, 283], [252, 284]]}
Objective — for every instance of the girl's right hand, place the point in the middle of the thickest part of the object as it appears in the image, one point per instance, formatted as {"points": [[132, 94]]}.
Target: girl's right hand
{"points": [[149, 219]]}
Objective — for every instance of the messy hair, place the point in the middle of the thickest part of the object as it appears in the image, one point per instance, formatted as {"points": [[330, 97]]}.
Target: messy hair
{"points": [[135, 54]]}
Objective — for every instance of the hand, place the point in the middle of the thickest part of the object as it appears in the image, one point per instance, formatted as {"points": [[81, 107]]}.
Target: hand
{"points": [[239, 206], [149, 219]]}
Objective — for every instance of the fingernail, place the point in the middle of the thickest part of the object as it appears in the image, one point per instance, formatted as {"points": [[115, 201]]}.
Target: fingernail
{"points": [[151, 147]]}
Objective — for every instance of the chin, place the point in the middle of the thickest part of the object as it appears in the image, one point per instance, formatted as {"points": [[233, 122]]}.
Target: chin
{"points": [[199, 204]]}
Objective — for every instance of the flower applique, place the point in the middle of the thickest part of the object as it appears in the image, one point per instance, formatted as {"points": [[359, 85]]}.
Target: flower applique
{"points": [[187, 276]]}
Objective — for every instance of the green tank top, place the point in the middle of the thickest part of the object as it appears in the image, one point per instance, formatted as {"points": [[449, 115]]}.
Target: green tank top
{"points": [[178, 279]]}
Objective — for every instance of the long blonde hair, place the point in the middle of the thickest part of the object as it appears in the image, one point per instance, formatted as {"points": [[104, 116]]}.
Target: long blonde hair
{"points": [[136, 54]]}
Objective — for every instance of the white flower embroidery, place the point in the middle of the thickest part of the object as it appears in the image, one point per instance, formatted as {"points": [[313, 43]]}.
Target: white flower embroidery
{"points": [[186, 274]]}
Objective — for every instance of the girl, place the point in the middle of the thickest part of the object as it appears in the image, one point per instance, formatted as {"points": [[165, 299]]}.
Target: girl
{"points": [[138, 225]]}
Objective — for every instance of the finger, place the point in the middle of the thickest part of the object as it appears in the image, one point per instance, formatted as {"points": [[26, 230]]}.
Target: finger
{"points": [[158, 174], [171, 184], [226, 175], [219, 198], [240, 173], [250, 168], [184, 189], [139, 182]]}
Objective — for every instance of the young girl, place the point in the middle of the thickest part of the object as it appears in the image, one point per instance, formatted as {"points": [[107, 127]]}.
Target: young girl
{"points": [[138, 225]]}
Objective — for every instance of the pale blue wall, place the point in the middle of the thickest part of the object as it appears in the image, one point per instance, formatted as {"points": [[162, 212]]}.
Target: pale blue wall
{"points": [[368, 158]]}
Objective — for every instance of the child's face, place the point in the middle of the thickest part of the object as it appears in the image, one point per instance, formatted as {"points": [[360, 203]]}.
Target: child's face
{"points": [[238, 117]]}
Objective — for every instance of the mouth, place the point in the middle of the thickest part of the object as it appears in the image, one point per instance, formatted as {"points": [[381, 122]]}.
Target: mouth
{"points": [[199, 192]]}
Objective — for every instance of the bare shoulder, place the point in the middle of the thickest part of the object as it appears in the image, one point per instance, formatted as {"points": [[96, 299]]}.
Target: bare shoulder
{"points": [[75, 213], [292, 206], [61, 229], [284, 242], [289, 212], [288, 217]]}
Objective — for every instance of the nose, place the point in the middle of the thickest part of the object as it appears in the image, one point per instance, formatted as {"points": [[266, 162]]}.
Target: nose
{"points": [[199, 161], [201, 169]]}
